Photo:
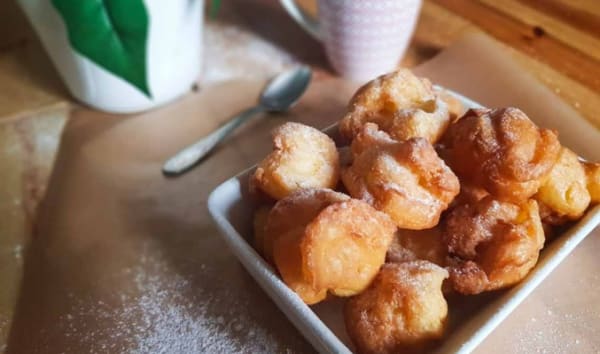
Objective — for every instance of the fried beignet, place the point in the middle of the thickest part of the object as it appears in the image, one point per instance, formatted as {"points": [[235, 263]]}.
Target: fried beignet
{"points": [[565, 191], [259, 224], [468, 194], [406, 180], [345, 246], [402, 310], [412, 245], [369, 137], [286, 225], [550, 219], [502, 151], [401, 104], [592, 172], [322, 241], [493, 244], [345, 156], [293, 213], [428, 121], [303, 157], [455, 106]]}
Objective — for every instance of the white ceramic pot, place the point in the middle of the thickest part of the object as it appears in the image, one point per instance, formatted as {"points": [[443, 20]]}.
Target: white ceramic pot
{"points": [[173, 59]]}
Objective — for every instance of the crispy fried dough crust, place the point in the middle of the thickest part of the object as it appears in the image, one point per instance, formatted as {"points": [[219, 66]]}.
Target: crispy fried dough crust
{"points": [[401, 311], [493, 244], [406, 180], [322, 241], [303, 157], [401, 104], [564, 194], [502, 151]]}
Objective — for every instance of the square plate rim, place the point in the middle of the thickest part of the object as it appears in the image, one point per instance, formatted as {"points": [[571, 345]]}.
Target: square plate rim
{"points": [[322, 337]]}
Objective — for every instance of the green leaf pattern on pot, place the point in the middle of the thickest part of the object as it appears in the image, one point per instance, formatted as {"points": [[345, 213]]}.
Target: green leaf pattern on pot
{"points": [[112, 34]]}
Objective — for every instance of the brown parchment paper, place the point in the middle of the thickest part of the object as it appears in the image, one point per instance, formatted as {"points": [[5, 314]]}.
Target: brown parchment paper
{"points": [[126, 260]]}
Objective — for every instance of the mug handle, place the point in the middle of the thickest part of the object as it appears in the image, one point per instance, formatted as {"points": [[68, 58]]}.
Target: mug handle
{"points": [[307, 22]]}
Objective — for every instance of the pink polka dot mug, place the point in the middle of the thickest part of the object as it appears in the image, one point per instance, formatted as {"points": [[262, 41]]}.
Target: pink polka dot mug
{"points": [[362, 38]]}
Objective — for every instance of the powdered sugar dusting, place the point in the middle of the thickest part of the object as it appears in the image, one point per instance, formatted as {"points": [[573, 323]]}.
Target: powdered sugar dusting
{"points": [[160, 316], [232, 53], [552, 337], [3, 327], [172, 325]]}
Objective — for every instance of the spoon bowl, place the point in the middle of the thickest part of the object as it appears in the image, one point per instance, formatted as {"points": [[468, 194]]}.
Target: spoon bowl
{"points": [[284, 90], [278, 96]]}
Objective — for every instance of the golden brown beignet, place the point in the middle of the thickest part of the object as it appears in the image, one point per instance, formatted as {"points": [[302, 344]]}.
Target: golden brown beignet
{"points": [[344, 247], [259, 223], [493, 244], [592, 171], [402, 311], [502, 151], [406, 180], [564, 194], [468, 194], [369, 137], [412, 245], [323, 241], [303, 157], [401, 104], [455, 106], [293, 213]]}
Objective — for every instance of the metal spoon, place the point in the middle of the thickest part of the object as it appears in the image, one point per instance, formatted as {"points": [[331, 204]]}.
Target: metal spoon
{"points": [[279, 95]]}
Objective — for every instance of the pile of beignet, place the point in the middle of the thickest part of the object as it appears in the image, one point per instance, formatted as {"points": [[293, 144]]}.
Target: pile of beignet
{"points": [[419, 201]]}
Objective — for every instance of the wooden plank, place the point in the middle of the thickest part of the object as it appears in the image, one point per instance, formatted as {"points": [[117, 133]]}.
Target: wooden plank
{"points": [[573, 63], [581, 98], [586, 5], [436, 29], [586, 19], [439, 27], [555, 28]]}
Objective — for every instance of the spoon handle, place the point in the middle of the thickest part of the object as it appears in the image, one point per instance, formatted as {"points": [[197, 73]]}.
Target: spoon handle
{"points": [[190, 155]]}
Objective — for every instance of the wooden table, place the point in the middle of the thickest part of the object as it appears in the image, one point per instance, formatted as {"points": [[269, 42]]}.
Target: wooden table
{"points": [[558, 41]]}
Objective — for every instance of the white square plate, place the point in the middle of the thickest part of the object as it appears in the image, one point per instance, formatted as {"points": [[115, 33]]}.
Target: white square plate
{"points": [[322, 324]]}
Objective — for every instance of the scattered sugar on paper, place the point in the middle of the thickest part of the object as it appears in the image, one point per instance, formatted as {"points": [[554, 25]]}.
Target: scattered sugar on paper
{"points": [[233, 53], [163, 319], [553, 337], [18, 252], [3, 329]]}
